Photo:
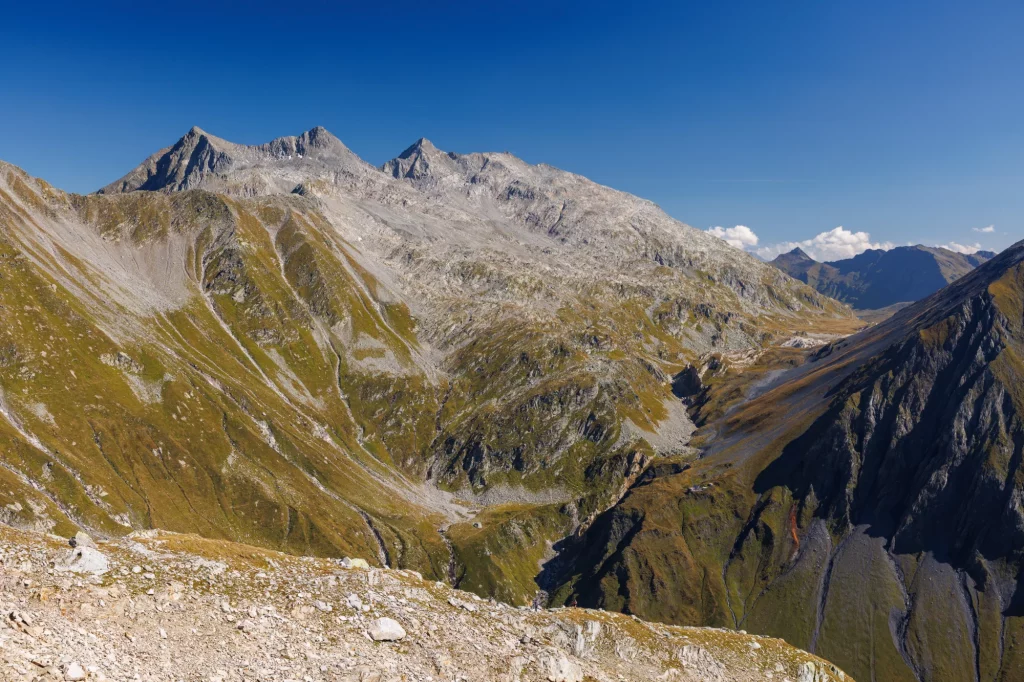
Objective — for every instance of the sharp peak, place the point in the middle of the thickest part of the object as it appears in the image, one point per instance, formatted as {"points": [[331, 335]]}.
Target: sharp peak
{"points": [[422, 145], [798, 252], [196, 131], [425, 146], [196, 134], [320, 133]]}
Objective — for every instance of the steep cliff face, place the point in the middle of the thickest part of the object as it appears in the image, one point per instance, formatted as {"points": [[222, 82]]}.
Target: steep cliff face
{"points": [[868, 507]]}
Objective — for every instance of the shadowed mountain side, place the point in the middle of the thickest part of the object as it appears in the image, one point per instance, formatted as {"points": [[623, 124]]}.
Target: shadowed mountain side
{"points": [[867, 506]]}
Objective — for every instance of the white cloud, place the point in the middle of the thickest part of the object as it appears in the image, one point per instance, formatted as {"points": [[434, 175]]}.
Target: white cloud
{"points": [[739, 237], [990, 228], [835, 244], [961, 248]]}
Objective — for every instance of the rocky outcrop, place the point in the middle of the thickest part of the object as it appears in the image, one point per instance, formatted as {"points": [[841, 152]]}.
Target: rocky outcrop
{"points": [[179, 607]]}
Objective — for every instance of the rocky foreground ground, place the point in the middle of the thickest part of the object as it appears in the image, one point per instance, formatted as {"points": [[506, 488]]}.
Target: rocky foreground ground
{"points": [[168, 607]]}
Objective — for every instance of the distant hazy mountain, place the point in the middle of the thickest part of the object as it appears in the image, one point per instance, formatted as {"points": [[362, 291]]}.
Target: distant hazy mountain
{"points": [[876, 278]]}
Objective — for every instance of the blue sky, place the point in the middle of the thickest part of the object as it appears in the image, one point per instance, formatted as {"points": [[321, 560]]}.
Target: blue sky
{"points": [[899, 120]]}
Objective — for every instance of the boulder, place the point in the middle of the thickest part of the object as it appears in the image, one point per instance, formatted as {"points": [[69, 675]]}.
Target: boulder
{"points": [[86, 560], [386, 630], [355, 563], [83, 540], [74, 673]]}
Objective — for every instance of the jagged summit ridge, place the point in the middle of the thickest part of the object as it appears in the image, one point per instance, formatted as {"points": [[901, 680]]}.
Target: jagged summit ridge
{"points": [[570, 209], [315, 141], [476, 201], [202, 160]]}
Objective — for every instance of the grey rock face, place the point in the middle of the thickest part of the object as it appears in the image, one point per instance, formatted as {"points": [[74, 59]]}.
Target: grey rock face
{"points": [[200, 159]]}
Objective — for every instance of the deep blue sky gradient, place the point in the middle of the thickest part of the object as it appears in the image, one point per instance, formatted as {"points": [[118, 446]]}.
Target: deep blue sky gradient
{"points": [[905, 120]]}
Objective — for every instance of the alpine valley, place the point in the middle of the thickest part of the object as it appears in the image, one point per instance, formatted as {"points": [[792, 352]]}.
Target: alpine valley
{"points": [[518, 382]]}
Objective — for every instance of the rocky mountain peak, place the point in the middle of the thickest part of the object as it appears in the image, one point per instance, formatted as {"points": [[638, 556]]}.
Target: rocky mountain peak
{"points": [[791, 261], [200, 159], [317, 143], [318, 132], [319, 138], [197, 136], [419, 161], [178, 167], [423, 145]]}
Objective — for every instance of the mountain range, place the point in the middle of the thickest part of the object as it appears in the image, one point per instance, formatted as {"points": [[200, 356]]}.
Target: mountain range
{"points": [[880, 278], [284, 345], [512, 379]]}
